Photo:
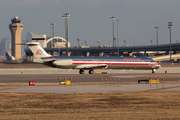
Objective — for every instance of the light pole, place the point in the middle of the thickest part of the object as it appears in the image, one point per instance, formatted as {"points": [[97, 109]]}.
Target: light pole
{"points": [[114, 42], [113, 18], [78, 42], [151, 41], [85, 42], [170, 24], [118, 36], [98, 42], [66, 15], [157, 37], [53, 35], [125, 42]]}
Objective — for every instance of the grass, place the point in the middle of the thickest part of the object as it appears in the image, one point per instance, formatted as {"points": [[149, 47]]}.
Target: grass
{"points": [[136, 105]]}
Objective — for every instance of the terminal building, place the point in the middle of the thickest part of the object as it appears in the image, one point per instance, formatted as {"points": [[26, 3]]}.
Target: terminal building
{"points": [[47, 42], [149, 51]]}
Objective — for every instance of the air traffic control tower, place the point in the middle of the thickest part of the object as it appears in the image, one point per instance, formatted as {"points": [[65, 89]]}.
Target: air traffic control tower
{"points": [[16, 29]]}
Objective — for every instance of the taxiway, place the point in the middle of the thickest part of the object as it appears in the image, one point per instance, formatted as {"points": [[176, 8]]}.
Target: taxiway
{"points": [[53, 78]]}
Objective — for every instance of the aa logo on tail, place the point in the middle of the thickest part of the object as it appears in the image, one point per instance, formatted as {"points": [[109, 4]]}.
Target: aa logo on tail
{"points": [[38, 52]]}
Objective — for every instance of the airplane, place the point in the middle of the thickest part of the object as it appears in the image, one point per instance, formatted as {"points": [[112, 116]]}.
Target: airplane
{"points": [[55, 53], [90, 63], [9, 57]]}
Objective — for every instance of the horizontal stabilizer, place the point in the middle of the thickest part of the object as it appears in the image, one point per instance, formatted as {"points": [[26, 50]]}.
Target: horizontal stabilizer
{"points": [[48, 59]]}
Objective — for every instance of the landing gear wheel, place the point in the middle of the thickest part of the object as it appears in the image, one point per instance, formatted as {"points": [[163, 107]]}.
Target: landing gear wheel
{"points": [[91, 72], [153, 70], [81, 71]]}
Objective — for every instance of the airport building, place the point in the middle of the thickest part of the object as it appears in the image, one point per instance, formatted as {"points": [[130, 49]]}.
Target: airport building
{"points": [[47, 42], [4, 46], [150, 51], [16, 28], [29, 36]]}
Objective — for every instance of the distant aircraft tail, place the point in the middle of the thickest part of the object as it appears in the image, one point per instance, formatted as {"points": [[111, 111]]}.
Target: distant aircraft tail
{"points": [[37, 50], [55, 53], [9, 57]]}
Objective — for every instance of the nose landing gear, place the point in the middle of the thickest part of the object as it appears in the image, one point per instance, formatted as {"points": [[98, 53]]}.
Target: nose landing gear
{"points": [[153, 70]]}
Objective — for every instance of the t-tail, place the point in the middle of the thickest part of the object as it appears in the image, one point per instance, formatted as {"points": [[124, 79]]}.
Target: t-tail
{"points": [[9, 57], [55, 53], [37, 50]]}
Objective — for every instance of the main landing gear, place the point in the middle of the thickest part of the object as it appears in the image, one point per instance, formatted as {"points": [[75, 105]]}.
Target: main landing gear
{"points": [[81, 71], [153, 70], [91, 71]]}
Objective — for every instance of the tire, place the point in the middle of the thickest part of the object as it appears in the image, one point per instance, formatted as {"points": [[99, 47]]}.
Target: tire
{"points": [[153, 70], [81, 71], [91, 72]]}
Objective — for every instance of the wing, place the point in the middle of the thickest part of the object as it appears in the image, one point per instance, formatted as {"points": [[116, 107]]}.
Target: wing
{"points": [[92, 66]]}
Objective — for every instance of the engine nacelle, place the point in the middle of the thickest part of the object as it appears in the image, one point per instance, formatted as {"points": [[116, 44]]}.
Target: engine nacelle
{"points": [[63, 62]]}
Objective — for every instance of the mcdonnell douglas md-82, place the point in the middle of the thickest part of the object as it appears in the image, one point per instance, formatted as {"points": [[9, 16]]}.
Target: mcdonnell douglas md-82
{"points": [[90, 63]]}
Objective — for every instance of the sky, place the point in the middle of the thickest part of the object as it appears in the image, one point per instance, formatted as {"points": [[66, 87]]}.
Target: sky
{"points": [[90, 20]]}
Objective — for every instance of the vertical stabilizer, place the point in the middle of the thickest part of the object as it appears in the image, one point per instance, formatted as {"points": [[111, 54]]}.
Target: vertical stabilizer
{"points": [[37, 50], [55, 53], [9, 57]]}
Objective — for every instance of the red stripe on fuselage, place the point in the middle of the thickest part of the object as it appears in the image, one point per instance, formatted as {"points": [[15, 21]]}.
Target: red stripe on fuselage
{"points": [[118, 63]]}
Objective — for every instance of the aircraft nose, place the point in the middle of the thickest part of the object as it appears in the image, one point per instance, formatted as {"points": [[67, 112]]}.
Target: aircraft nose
{"points": [[158, 66]]}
